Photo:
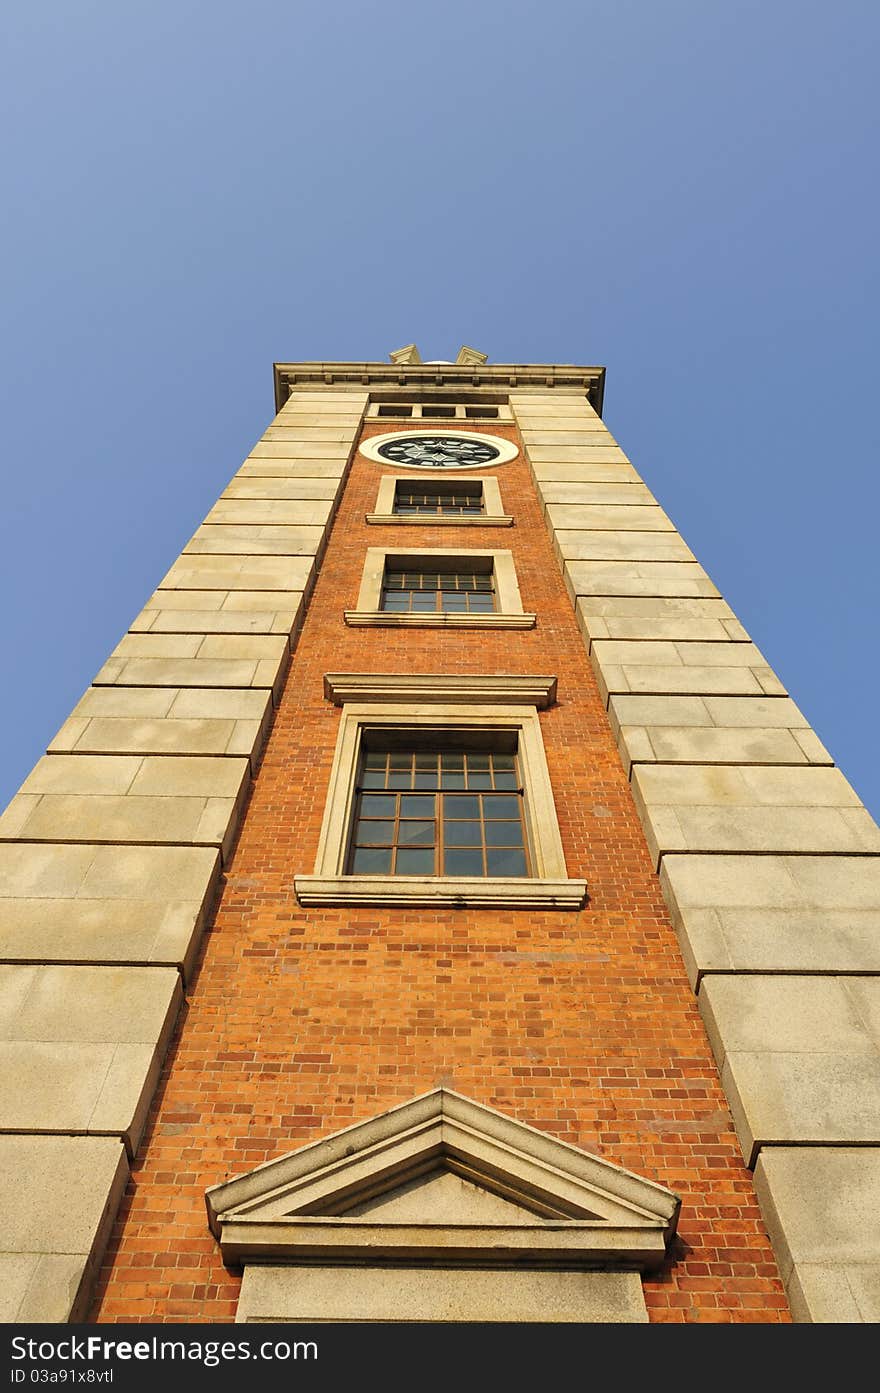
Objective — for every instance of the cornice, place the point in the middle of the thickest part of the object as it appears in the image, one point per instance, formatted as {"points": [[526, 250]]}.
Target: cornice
{"points": [[433, 688], [493, 376]]}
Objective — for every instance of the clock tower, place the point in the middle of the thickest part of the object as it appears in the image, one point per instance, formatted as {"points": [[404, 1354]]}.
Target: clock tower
{"points": [[437, 909]]}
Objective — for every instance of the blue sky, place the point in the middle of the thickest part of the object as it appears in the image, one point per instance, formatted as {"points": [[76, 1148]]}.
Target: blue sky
{"points": [[685, 192]]}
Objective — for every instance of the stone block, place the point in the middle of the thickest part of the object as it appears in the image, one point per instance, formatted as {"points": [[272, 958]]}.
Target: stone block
{"points": [[703, 745], [88, 1004], [676, 679], [338, 451], [58, 1200], [770, 713], [344, 418], [597, 435], [248, 540], [169, 800], [266, 489], [797, 1062], [81, 1046], [222, 621], [787, 1014], [706, 785], [655, 618], [302, 512], [588, 472], [302, 468], [820, 1206], [604, 493], [830, 831], [294, 430], [613, 546], [76, 1088], [600, 453], [595, 517], [649, 578], [194, 672], [195, 736], [278, 1293], [775, 913], [249, 573]]}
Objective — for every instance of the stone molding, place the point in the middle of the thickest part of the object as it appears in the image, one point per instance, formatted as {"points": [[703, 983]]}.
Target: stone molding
{"points": [[380, 619], [563, 1205], [558, 380], [438, 688], [426, 892]]}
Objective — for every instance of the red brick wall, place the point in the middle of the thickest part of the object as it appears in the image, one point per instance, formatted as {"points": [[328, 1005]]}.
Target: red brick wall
{"points": [[302, 1022]]}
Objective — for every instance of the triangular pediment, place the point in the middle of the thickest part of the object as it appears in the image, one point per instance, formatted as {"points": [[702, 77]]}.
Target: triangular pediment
{"points": [[443, 1173]]}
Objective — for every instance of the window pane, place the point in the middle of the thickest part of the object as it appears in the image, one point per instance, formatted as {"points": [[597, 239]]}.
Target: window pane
{"points": [[375, 833], [373, 778], [505, 779], [400, 779], [371, 862], [502, 806], [481, 604], [426, 771], [417, 805], [375, 805], [395, 604], [508, 861], [503, 834], [478, 780], [454, 604], [415, 834], [462, 807], [460, 862], [411, 862], [462, 833]]}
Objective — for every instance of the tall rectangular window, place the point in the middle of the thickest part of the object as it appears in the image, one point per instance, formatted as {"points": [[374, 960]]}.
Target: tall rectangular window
{"points": [[450, 808]]}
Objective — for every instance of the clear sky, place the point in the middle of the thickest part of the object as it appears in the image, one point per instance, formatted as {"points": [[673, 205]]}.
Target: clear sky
{"points": [[684, 191]]}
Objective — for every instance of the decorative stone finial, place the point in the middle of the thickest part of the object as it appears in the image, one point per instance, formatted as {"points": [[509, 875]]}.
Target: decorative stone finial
{"points": [[470, 357], [404, 356]]}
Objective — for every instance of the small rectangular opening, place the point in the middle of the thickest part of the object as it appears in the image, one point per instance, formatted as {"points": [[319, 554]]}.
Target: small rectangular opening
{"points": [[394, 411], [438, 408], [478, 412], [460, 498]]}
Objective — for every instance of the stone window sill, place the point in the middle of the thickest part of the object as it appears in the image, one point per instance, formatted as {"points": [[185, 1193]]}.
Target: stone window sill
{"points": [[453, 893], [380, 619]]}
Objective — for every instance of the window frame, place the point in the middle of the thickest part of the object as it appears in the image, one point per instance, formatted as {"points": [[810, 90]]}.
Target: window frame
{"points": [[493, 514], [446, 800], [548, 885], [508, 614]]}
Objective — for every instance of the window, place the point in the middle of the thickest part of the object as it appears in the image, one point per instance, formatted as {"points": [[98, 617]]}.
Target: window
{"points": [[439, 795], [466, 502], [439, 587], [463, 499], [443, 805], [440, 409], [428, 592]]}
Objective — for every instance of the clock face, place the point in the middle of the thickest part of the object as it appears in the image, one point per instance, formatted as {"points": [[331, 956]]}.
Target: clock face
{"points": [[438, 451]]}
